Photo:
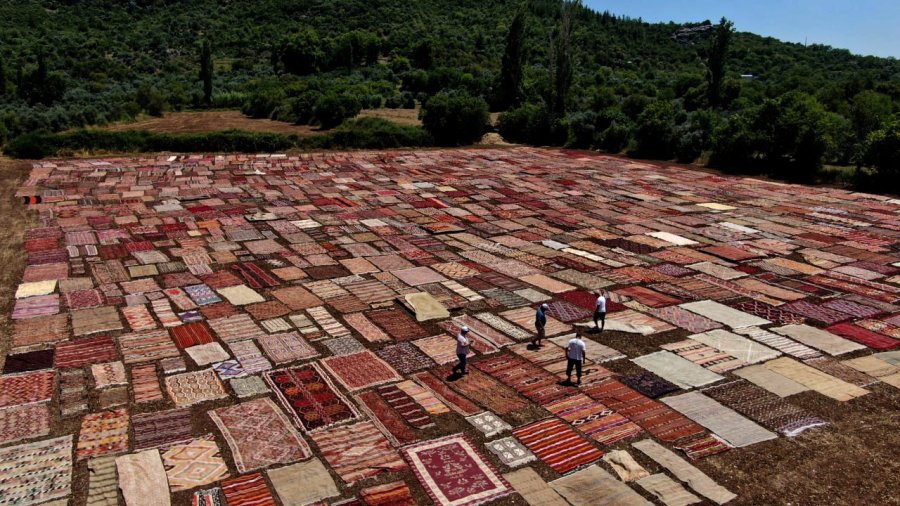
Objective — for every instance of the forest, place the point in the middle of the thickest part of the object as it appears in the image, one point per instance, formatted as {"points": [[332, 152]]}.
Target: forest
{"points": [[559, 74]]}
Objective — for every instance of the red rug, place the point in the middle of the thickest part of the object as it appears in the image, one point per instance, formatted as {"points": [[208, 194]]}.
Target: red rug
{"points": [[594, 419], [191, 334], [486, 391], [91, 350], [454, 473], [358, 451], [307, 394], [406, 407], [398, 324], [447, 395], [360, 370], [525, 377], [557, 445], [391, 424], [863, 336], [247, 490]]}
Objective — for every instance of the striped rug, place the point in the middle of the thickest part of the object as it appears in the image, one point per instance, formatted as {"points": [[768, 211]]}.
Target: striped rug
{"points": [[358, 451], [247, 490], [557, 445], [594, 419]]}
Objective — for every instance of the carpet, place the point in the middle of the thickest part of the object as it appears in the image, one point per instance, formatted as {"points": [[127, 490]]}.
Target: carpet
{"points": [[524, 317], [85, 351], [819, 339], [26, 421], [36, 472], [398, 324], [247, 490], [873, 365], [839, 370], [483, 331], [72, 392], [397, 431], [95, 320], [724, 314], [251, 359], [236, 328], [102, 488], [647, 296], [446, 394], [38, 331], [189, 388], [677, 370], [557, 445], [426, 307], [405, 358], [390, 494], [366, 328], [815, 379], [510, 451], [343, 345], [139, 317], [308, 395], [696, 479], [358, 451], [360, 370], [634, 322], [205, 354], [726, 423], [704, 356], [860, 335], [240, 295], [454, 473], [768, 409], [816, 312], [108, 374], [250, 386], [142, 479], [488, 424], [593, 419], [667, 491], [408, 409], [596, 352], [441, 349], [104, 433], [191, 334], [533, 488], [769, 312], [592, 486], [193, 463], [423, 397], [328, 323], [505, 327], [146, 346], [703, 446], [649, 384], [28, 361], [685, 319], [259, 435], [625, 466], [770, 380], [302, 483], [161, 428], [524, 377], [567, 312], [780, 343], [33, 307], [286, 347]]}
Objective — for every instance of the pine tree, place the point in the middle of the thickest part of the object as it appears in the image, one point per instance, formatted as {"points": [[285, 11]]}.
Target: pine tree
{"points": [[3, 88], [510, 92], [561, 56], [718, 57], [206, 72]]}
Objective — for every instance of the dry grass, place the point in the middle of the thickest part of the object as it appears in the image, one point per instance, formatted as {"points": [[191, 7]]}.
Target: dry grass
{"points": [[211, 121]]}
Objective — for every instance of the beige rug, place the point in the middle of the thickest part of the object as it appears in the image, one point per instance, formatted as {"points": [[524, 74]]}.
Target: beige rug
{"points": [[737, 346], [770, 380], [815, 379], [529, 484], [303, 483], [592, 486], [873, 366], [819, 339], [426, 307], [724, 314], [725, 422], [142, 479], [667, 490], [683, 373], [695, 478], [625, 466]]}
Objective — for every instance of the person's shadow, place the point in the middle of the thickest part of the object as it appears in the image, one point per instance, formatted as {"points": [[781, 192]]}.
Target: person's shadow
{"points": [[454, 376]]}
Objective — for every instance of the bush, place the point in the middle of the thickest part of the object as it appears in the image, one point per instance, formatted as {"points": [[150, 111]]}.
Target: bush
{"points": [[655, 132], [371, 133], [582, 129], [615, 138], [881, 151], [331, 109], [532, 124], [455, 118]]}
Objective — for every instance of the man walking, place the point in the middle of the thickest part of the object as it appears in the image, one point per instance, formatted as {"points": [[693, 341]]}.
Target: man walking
{"points": [[462, 351], [575, 351], [600, 312], [540, 321]]}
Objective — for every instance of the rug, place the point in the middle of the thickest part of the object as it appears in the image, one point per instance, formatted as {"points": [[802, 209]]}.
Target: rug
{"points": [[37, 306], [768, 409], [286, 347], [557, 445], [36, 472], [769, 312], [488, 424], [205, 354], [38, 331], [358, 451], [236, 328], [366, 328], [247, 490], [567, 312], [770, 380], [815, 312], [704, 356], [841, 371], [446, 394], [592, 486], [396, 493], [147, 346], [860, 335], [423, 397], [398, 324], [426, 307], [408, 409], [440, 349], [819, 339], [250, 386], [189, 388], [328, 323], [724, 314], [528, 379], [667, 491], [635, 322], [308, 395], [108, 374], [685, 319], [595, 352], [73, 390], [780, 343], [454, 473], [209, 497], [104, 433], [524, 317], [625, 466], [703, 446], [191, 334], [677, 370], [302, 483], [593, 419], [26, 421], [405, 358], [102, 489], [510, 451], [28, 361], [142, 479], [483, 331], [251, 359], [533, 488], [696, 479], [259, 435], [724, 422], [504, 326], [193, 463], [649, 384], [815, 379], [139, 317], [157, 429], [360, 370], [240, 295], [392, 425], [85, 351], [93, 321]]}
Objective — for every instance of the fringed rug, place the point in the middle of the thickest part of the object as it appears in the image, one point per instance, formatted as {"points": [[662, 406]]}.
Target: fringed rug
{"points": [[358, 451], [247, 490], [557, 445], [594, 419], [193, 463], [397, 431], [308, 395], [360, 370]]}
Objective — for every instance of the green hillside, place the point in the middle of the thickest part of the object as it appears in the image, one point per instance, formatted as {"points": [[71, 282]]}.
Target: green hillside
{"points": [[71, 63]]}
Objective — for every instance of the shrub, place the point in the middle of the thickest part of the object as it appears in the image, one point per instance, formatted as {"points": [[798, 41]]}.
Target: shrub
{"points": [[582, 129], [881, 151], [615, 138], [532, 124], [332, 108], [371, 133], [655, 132], [455, 118]]}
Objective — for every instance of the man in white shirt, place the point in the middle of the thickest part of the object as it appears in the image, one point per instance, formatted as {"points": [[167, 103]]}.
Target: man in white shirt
{"points": [[600, 312], [462, 351], [575, 351]]}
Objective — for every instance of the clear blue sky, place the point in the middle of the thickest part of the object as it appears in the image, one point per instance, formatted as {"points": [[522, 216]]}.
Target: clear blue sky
{"points": [[870, 27]]}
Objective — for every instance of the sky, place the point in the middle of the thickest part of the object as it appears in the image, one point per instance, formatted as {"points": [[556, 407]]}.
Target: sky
{"points": [[867, 27]]}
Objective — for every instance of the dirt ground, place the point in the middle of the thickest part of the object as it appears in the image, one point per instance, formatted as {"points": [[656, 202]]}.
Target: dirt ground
{"points": [[853, 461], [210, 121]]}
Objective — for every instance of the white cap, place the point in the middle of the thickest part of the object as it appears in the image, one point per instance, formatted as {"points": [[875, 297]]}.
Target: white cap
{"points": [[464, 329], [545, 306]]}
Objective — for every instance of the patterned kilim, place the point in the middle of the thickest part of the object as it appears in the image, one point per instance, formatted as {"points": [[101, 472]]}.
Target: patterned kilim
{"points": [[487, 391], [765, 407], [405, 358], [85, 351], [390, 494], [524, 317], [360, 370], [447, 395], [441, 349], [24, 422], [34, 473], [510, 452], [659, 420], [145, 383], [139, 317], [779, 343], [329, 324], [594, 419], [703, 446], [286, 347], [259, 435], [398, 324], [769, 312], [649, 384], [526, 378], [484, 331], [504, 326], [247, 490], [193, 463], [685, 319], [406, 407], [72, 389], [306, 393], [454, 473], [398, 432], [102, 490], [705, 356], [863, 336], [251, 359], [147, 346], [423, 397], [190, 388], [43, 330], [191, 334], [104, 433], [816, 312], [366, 328], [557, 445], [109, 374], [26, 388], [236, 328], [358, 451], [161, 428]]}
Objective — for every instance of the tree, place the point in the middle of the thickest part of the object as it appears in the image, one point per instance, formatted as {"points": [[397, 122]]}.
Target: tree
{"points": [[332, 108], [422, 55], [715, 63], [561, 64], [455, 118], [793, 134], [868, 112], [302, 53], [3, 88], [206, 72], [881, 151], [510, 92], [655, 133]]}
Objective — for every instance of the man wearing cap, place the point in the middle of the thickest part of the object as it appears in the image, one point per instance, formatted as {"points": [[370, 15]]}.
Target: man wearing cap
{"points": [[462, 350], [540, 321]]}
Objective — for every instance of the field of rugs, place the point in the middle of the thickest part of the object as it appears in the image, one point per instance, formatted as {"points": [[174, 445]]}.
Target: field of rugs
{"points": [[258, 330]]}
